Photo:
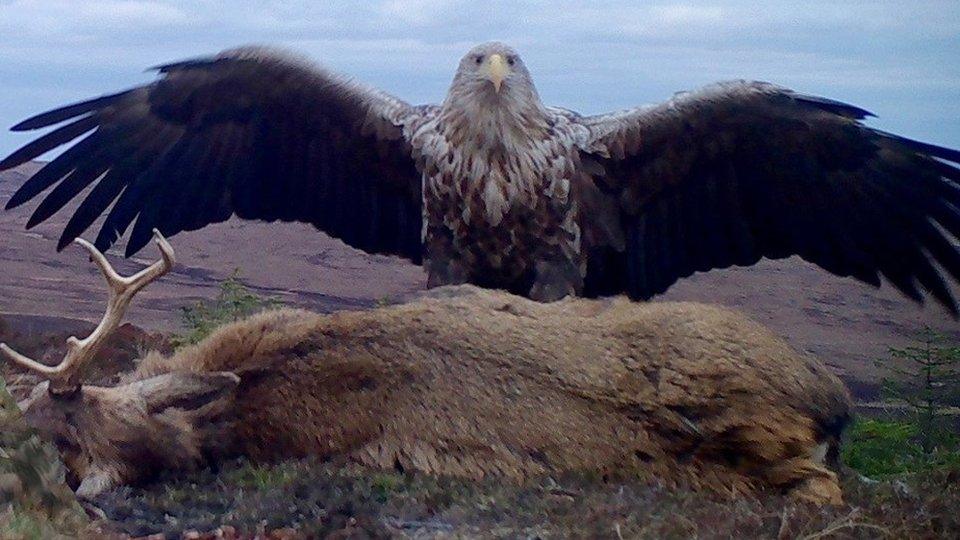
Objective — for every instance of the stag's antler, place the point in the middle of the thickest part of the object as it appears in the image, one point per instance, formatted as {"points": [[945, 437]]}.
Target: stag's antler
{"points": [[65, 377]]}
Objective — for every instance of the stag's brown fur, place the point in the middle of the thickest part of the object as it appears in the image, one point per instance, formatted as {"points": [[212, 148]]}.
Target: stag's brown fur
{"points": [[473, 383]]}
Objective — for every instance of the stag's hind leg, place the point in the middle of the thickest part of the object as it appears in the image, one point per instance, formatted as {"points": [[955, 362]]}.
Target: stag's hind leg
{"points": [[779, 452], [807, 478]]}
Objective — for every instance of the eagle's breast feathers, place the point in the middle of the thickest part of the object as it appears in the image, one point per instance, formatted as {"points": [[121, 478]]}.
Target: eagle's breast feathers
{"points": [[499, 204]]}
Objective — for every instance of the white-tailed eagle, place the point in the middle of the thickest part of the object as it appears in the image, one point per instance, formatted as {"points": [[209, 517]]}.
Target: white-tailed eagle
{"points": [[495, 188]]}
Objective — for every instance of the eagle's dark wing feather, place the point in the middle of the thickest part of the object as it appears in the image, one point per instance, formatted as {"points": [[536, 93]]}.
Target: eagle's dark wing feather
{"points": [[740, 171], [250, 132]]}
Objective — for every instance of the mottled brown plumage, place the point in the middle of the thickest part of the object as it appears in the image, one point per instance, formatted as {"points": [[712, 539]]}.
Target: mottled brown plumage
{"points": [[492, 187]]}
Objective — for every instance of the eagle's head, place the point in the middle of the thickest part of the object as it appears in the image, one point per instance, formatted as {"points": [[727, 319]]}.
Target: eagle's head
{"points": [[493, 89], [496, 72]]}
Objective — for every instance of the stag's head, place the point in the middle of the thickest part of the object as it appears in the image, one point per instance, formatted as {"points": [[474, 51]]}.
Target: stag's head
{"points": [[119, 435]]}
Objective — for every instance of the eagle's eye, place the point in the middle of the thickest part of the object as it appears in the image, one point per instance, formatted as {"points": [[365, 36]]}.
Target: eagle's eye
{"points": [[511, 60], [478, 59]]}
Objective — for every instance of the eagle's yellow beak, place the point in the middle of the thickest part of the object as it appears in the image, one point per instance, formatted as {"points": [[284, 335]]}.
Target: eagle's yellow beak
{"points": [[497, 70]]}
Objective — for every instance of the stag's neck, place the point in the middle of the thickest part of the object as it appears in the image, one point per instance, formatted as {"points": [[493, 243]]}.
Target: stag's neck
{"points": [[252, 344]]}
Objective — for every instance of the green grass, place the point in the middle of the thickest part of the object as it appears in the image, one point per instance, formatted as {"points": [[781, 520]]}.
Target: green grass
{"points": [[886, 448], [384, 485], [254, 476], [234, 302]]}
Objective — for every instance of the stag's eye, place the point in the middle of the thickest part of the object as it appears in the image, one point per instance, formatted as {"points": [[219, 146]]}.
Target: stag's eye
{"points": [[64, 444], [72, 479]]}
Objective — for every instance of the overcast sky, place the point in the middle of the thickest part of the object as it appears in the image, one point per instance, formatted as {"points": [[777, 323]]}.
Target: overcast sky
{"points": [[899, 59]]}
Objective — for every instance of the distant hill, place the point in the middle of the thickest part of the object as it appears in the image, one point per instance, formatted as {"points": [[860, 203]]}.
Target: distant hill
{"points": [[845, 323]]}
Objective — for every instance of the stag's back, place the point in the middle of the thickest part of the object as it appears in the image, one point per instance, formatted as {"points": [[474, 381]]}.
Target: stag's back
{"points": [[473, 382]]}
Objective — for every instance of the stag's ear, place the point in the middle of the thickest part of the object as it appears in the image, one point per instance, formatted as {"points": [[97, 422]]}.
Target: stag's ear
{"points": [[188, 391], [96, 482]]}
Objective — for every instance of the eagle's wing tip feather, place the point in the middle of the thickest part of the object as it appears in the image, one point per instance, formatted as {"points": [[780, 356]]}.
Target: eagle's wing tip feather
{"points": [[29, 124]]}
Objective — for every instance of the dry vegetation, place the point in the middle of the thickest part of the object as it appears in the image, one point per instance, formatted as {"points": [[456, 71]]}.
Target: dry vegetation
{"points": [[317, 499]]}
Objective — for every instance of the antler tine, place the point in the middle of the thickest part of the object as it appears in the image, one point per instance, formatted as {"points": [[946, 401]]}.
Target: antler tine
{"points": [[149, 274], [64, 377], [27, 363], [132, 284], [114, 280]]}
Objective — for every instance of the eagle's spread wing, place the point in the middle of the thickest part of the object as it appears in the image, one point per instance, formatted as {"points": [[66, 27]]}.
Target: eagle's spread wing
{"points": [[250, 132], [739, 171]]}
